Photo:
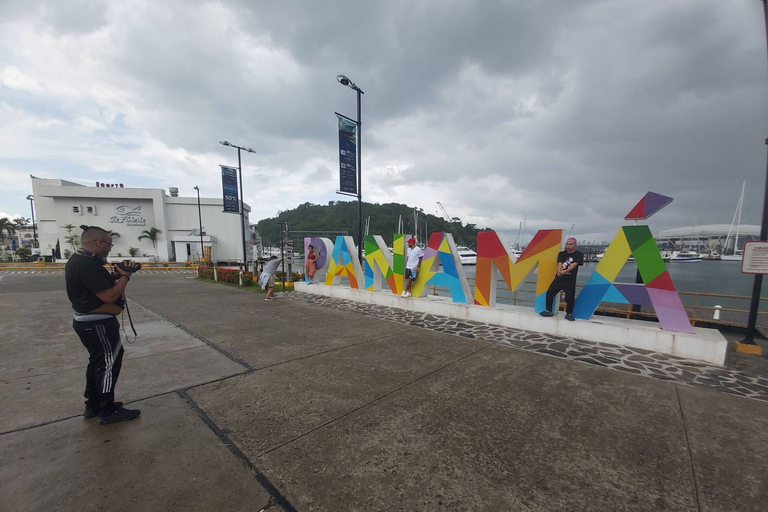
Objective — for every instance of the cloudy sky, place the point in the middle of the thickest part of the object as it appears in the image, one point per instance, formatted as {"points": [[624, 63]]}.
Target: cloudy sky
{"points": [[564, 112]]}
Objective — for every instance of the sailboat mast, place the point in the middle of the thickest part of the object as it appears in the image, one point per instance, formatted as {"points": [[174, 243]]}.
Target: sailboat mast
{"points": [[738, 222]]}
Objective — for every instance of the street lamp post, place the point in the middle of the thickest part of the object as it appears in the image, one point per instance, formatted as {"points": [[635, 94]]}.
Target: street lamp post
{"points": [[242, 207], [200, 218], [31, 200], [343, 80], [758, 282]]}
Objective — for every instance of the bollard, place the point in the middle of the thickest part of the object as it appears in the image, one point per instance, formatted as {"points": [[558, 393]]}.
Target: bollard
{"points": [[716, 314]]}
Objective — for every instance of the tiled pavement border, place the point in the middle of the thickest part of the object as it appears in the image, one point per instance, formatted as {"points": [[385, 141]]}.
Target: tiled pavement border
{"points": [[620, 358]]}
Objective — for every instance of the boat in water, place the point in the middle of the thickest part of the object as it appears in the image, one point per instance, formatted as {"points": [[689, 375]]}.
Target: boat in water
{"points": [[466, 255], [685, 257]]}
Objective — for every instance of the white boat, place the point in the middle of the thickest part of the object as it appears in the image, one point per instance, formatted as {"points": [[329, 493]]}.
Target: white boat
{"points": [[515, 253], [737, 253], [685, 257], [599, 256], [466, 255]]}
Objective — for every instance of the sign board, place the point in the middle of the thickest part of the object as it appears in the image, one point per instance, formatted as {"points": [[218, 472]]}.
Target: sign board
{"points": [[755, 259], [229, 189], [347, 156]]}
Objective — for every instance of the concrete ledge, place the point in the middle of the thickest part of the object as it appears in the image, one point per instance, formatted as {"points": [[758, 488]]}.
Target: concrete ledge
{"points": [[704, 345], [746, 348]]}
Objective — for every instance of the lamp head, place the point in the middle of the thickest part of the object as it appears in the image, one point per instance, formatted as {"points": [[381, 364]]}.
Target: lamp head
{"points": [[343, 80], [225, 143], [30, 197], [197, 188]]}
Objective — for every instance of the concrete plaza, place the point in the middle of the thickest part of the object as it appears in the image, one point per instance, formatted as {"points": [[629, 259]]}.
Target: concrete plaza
{"points": [[328, 409]]}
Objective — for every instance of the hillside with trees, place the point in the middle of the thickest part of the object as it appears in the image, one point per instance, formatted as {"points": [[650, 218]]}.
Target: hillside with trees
{"points": [[342, 216]]}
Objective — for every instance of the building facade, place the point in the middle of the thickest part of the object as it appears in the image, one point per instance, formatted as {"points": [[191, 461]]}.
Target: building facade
{"points": [[128, 212]]}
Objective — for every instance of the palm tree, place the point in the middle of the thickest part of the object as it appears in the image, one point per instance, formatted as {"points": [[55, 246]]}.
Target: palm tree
{"points": [[113, 234], [70, 238], [151, 234], [7, 226]]}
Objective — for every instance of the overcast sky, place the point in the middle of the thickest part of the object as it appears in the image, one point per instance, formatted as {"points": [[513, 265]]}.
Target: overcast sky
{"points": [[562, 111]]}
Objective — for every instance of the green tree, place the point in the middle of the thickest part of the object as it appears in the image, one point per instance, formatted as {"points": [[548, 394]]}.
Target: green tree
{"points": [[341, 216], [150, 234], [71, 239], [113, 234], [7, 227]]}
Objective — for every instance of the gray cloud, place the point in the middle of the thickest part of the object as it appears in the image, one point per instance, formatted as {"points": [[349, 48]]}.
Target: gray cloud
{"points": [[562, 112]]}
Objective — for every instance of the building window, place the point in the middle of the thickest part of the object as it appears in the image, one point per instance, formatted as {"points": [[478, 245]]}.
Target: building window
{"points": [[90, 209], [76, 209]]}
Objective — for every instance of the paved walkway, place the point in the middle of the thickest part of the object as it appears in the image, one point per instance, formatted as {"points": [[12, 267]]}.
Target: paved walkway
{"points": [[325, 405], [621, 358]]}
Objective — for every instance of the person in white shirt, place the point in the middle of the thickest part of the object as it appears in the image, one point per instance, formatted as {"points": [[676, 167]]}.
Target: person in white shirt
{"points": [[413, 262], [267, 279]]}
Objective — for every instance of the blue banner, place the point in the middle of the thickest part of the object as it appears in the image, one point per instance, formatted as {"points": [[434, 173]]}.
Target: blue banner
{"points": [[229, 188], [347, 156]]}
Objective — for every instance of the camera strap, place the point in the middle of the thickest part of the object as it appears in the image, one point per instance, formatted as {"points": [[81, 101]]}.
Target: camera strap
{"points": [[130, 320]]}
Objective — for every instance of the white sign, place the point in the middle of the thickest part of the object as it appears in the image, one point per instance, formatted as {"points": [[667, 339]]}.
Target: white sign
{"points": [[129, 215], [755, 259]]}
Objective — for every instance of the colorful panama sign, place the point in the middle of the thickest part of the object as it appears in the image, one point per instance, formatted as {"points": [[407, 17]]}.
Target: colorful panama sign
{"points": [[441, 267]]}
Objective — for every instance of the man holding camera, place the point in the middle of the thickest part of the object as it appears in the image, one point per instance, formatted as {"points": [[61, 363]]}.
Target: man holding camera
{"points": [[97, 298]]}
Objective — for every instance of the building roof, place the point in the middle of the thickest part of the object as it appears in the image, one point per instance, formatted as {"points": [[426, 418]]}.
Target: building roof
{"points": [[709, 230]]}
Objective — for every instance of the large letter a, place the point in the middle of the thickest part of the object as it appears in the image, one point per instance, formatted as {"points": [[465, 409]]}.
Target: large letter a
{"points": [[658, 289]]}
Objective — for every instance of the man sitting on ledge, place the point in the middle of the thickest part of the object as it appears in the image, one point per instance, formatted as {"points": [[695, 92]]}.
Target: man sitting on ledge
{"points": [[568, 262]]}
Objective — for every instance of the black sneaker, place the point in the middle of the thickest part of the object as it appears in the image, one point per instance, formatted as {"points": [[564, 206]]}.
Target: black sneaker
{"points": [[545, 313], [92, 412], [121, 414], [569, 317]]}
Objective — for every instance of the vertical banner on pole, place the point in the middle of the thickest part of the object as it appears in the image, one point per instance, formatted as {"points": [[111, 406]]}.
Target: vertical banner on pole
{"points": [[347, 156], [229, 189]]}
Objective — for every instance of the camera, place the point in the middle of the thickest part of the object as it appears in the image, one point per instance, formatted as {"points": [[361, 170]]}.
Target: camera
{"points": [[126, 266]]}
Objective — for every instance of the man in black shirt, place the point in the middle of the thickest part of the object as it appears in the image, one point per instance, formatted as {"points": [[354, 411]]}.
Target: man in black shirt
{"points": [[568, 262], [97, 297]]}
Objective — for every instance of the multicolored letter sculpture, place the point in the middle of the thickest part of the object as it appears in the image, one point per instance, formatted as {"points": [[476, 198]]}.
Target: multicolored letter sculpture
{"points": [[378, 264], [441, 250], [650, 203], [324, 249], [344, 263], [657, 290], [493, 256]]}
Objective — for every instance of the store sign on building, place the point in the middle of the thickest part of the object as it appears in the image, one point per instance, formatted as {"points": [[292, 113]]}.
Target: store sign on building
{"points": [[129, 215]]}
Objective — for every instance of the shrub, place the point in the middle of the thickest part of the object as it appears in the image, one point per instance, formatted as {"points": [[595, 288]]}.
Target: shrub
{"points": [[205, 272], [228, 275], [67, 253], [133, 251]]}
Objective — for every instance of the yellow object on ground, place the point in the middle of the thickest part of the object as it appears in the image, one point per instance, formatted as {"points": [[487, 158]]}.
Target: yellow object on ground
{"points": [[746, 348]]}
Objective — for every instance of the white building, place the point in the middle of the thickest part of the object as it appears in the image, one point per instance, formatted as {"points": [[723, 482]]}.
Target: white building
{"points": [[130, 211]]}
